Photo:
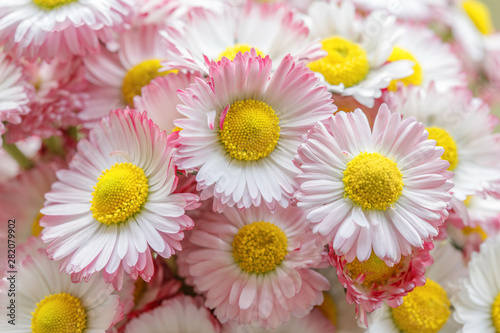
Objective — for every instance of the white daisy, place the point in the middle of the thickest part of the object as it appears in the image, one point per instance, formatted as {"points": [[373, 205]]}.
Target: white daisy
{"points": [[383, 190], [117, 77], [47, 301], [115, 203], [463, 126], [435, 62], [358, 50], [244, 127]]}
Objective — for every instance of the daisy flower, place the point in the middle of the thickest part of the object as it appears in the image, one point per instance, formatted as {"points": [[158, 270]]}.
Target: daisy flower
{"points": [[413, 10], [116, 77], [435, 62], [427, 308], [253, 266], [179, 314], [314, 322], [463, 126], [273, 30], [372, 282], [159, 98], [115, 203], [47, 301], [384, 190], [357, 57], [243, 128], [15, 91], [60, 28], [477, 304]]}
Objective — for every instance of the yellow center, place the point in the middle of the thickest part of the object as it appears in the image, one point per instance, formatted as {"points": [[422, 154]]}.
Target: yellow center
{"points": [[231, 51], [346, 62], [59, 313], [479, 14], [259, 247], [372, 181], [375, 270], [495, 313], [415, 79], [139, 76], [444, 139], [36, 228], [328, 308], [51, 4], [250, 130], [119, 193], [424, 310], [476, 230]]}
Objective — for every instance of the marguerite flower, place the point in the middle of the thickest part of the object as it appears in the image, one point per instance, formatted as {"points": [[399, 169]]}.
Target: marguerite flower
{"points": [[477, 304], [273, 30], [384, 190], [426, 308], [244, 127], [357, 57], [47, 301], [116, 77], [435, 62], [115, 203], [179, 314], [253, 266], [60, 28], [463, 126]]}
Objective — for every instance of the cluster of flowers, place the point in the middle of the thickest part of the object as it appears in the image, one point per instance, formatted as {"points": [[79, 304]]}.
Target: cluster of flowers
{"points": [[244, 166]]}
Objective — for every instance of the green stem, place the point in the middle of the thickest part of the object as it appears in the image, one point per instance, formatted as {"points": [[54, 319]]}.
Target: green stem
{"points": [[18, 155]]}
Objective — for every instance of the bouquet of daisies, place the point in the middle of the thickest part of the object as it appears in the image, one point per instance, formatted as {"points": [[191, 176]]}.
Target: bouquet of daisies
{"points": [[249, 166]]}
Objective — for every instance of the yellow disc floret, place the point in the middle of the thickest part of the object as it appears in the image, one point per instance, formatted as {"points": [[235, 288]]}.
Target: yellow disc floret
{"points": [[415, 79], [139, 76], [480, 15], [231, 51], [495, 313], [372, 181], [119, 193], [346, 62], [259, 247], [444, 139], [328, 308], [477, 230], [59, 313], [36, 228], [424, 310], [51, 4], [250, 130], [375, 269]]}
